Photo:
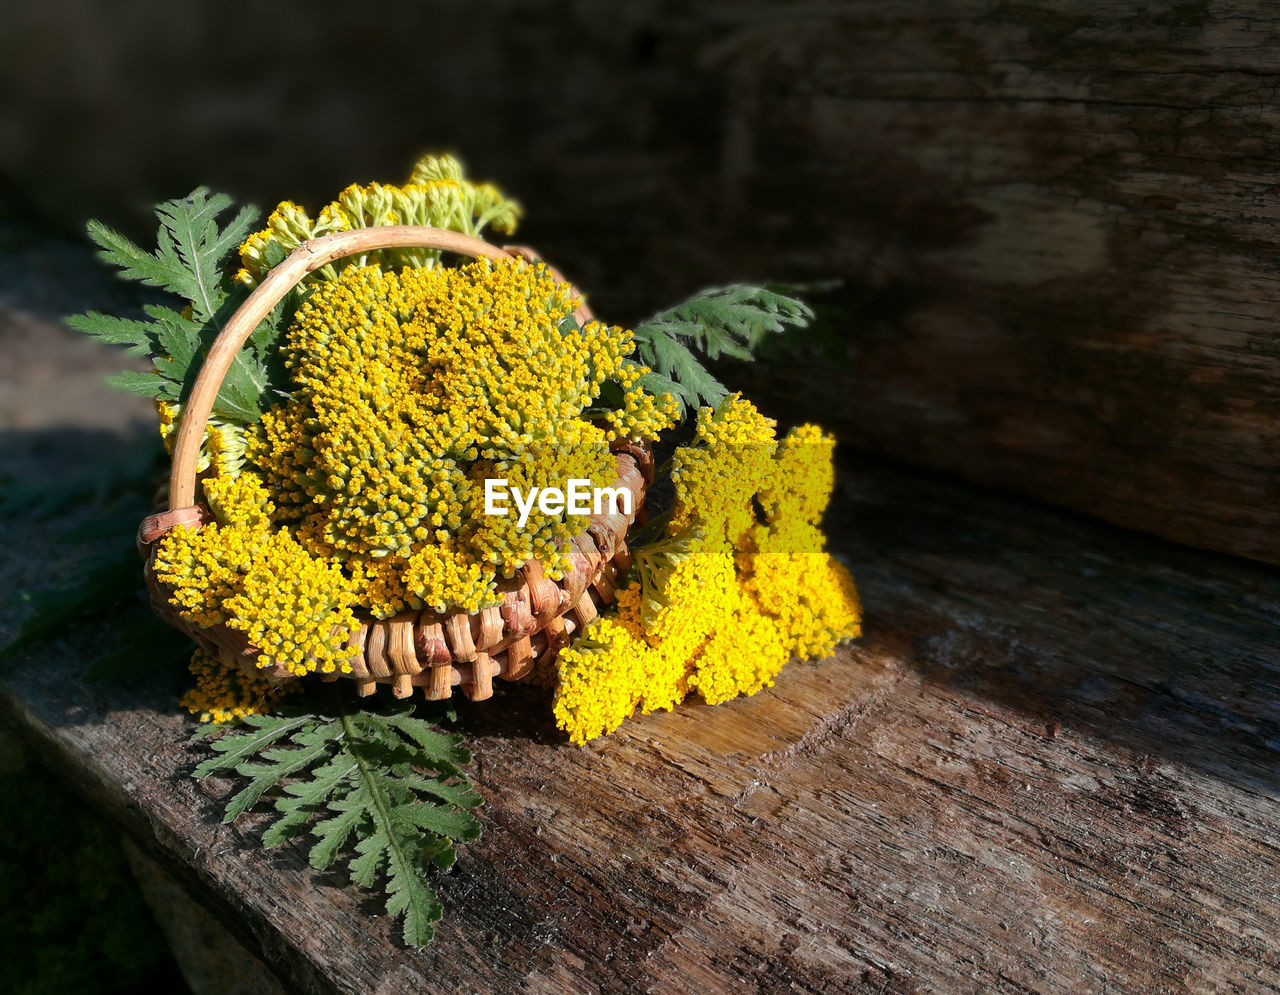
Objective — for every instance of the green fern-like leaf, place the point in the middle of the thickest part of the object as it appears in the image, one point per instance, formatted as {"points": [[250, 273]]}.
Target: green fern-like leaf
{"points": [[722, 322], [188, 262], [385, 788]]}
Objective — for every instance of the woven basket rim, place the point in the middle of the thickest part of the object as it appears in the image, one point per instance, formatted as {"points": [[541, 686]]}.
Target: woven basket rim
{"points": [[415, 648], [435, 651]]}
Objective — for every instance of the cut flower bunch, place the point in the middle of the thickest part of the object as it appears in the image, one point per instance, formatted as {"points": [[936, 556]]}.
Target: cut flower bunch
{"points": [[337, 522]]}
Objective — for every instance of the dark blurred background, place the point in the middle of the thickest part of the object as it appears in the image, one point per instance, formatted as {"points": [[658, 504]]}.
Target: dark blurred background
{"points": [[1054, 224], [614, 123]]}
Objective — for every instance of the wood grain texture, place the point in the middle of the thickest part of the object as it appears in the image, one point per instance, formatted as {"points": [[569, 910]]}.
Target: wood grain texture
{"points": [[1056, 222], [1050, 764]]}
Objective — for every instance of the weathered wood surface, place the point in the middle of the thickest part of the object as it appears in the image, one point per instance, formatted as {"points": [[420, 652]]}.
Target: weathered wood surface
{"points": [[1050, 764], [1055, 222]]}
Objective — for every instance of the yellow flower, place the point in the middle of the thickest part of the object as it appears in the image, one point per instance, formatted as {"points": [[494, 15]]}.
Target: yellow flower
{"points": [[294, 608], [810, 595], [227, 694], [241, 500], [743, 655], [416, 386], [437, 195], [641, 658], [280, 445], [602, 677], [724, 601], [799, 484], [685, 589], [718, 476], [441, 576], [222, 450], [203, 567], [380, 584]]}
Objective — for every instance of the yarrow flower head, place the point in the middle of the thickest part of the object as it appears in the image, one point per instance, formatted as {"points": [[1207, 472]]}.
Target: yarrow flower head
{"points": [[741, 583], [718, 476], [227, 694], [241, 500], [437, 195], [294, 608], [222, 451], [413, 388], [602, 677]]}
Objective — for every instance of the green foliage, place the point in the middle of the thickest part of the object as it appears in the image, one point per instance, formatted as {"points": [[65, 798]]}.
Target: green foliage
{"points": [[385, 789], [722, 322], [187, 263], [825, 340]]}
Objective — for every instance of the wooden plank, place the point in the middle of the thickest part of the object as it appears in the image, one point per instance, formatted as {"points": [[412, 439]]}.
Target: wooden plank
{"points": [[1055, 222], [1049, 764], [1055, 226]]}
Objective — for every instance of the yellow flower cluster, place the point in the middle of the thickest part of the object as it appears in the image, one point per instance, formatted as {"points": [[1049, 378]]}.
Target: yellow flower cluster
{"points": [[242, 500], [413, 384], [741, 657], [602, 676], [437, 195], [717, 478], [810, 596], [221, 451], [227, 694], [500, 540], [203, 566], [445, 572], [295, 608], [689, 625], [413, 388], [722, 604], [280, 443], [379, 581]]}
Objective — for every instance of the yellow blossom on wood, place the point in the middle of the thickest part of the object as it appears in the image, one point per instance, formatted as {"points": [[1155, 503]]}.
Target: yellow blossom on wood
{"points": [[227, 694], [741, 585], [602, 677], [810, 595], [743, 655]]}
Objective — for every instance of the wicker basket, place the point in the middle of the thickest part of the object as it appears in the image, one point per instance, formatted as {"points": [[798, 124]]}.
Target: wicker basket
{"points": [[415, 648]]}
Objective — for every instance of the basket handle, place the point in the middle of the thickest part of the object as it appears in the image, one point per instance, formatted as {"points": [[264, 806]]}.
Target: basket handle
{"points": [[307, 257]]}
